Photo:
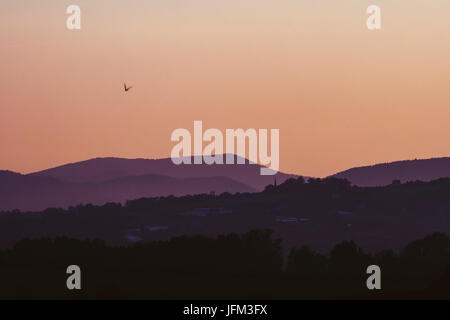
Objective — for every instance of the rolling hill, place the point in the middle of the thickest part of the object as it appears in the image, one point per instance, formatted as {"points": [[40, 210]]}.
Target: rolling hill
{"points": [[102, 169], [408, 170], [103, 180], [25, 192]]}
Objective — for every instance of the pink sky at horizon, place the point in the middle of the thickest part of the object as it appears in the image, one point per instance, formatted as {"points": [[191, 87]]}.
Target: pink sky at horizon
{"points": [[341, 95]]}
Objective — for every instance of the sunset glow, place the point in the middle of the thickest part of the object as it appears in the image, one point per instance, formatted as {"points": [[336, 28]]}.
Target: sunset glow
{"points": [[341, 95]]}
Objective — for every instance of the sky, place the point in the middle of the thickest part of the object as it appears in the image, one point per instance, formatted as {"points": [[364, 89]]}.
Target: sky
{"points": [[340, 94]]}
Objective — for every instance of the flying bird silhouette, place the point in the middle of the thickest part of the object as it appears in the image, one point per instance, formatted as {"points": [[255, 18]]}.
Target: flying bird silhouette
{"points": [[126, 88]]}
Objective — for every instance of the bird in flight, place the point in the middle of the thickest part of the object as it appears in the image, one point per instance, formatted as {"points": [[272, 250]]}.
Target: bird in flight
{"points": [[126, 88]]}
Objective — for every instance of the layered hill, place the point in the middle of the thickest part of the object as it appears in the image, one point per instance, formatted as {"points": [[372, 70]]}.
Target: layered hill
{"points": [[103, 180], [409, 170]]}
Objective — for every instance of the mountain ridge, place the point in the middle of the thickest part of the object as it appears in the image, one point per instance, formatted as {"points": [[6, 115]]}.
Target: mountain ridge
{"points": [[34, 193], [102, 169], [382, 174], [110, 179]]}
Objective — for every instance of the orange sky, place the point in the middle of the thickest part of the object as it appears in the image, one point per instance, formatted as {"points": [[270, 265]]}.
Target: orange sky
{"points": [[341, 95]]}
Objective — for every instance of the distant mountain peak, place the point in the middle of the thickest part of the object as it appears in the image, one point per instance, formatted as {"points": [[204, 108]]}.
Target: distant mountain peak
{"points": [[406, 170], [108, 179], [108, 168]]}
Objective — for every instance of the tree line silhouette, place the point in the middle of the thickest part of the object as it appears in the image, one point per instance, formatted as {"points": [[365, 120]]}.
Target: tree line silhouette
{"points": [[324, 211], [247, 266]]}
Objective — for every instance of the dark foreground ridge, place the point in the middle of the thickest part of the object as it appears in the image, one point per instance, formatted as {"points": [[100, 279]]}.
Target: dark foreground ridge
{"points": [[248, 266]]}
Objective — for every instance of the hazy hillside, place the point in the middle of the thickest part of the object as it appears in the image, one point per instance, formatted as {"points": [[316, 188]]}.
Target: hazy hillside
{"points": [[27, 192], [410, 170], [102, 180], [102, 169]]}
